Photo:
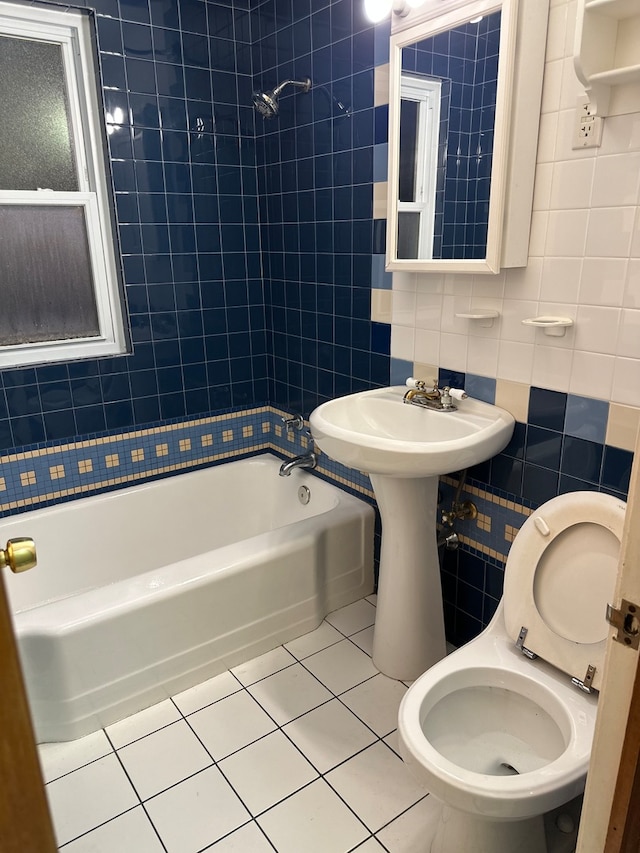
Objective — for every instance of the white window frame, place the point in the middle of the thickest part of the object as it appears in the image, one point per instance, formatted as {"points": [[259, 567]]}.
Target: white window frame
{"points": [[71, 30], [426, 93]]}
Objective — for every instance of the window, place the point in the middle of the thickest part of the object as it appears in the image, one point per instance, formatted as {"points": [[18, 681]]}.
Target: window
{"points": [[419, 125], [60, 296]]}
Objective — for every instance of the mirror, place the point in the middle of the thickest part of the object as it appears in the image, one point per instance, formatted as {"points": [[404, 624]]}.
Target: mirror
{"points": [[455, 80]]}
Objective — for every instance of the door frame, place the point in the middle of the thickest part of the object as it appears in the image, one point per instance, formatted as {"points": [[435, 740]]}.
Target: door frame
{"points": [[25, 821], [611, 811]]}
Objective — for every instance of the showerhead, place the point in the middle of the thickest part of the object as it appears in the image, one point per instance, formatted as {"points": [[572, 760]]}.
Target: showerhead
{"points": [[266, 103]]}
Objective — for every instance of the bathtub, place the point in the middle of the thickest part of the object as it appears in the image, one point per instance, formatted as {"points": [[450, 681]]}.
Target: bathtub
{"points": [[144, 592]]}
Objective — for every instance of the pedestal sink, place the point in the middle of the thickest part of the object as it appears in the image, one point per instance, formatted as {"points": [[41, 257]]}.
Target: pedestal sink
{"points": [[404, 449]]}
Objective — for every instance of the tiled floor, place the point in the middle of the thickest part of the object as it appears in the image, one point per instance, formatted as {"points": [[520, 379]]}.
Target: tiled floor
{"points": [[294, 751]]}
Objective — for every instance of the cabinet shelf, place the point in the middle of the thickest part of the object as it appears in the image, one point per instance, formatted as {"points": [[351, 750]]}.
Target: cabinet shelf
{"points": [[607, 48], [617, 76], [618, 9]]}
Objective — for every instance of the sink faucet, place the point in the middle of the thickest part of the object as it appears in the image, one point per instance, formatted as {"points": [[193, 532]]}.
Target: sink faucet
{"points": [[307, 460], [440, 399]]}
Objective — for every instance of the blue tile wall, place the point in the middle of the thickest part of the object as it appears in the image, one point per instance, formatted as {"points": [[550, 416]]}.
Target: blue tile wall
{"points": [[180, 132], [315, 172]]}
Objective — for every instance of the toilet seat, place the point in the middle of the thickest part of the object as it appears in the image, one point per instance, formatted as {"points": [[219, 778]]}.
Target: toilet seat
{"points": [[560, 575]]}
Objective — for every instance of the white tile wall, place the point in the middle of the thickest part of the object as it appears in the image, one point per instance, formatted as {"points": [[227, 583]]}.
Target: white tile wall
{"points": [[584, 263]]}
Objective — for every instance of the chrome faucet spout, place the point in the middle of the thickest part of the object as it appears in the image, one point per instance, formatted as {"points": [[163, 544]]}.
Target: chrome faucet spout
{"points": [[307, 460], [438, 399]]}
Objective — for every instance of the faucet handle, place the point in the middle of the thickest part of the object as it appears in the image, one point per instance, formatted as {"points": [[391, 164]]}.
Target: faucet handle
{"points": [[456, 393], [294, 422], [419, 384]]}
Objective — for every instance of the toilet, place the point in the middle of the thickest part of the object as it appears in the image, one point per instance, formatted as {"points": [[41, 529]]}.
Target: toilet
{"points": [[500, 731]]}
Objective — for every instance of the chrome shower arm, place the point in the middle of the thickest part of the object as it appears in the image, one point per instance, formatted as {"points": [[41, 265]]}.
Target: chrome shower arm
{"points": [[305, 85]]}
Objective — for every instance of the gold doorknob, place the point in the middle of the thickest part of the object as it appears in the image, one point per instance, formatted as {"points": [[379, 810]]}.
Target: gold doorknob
{"points": [[19, 555]]}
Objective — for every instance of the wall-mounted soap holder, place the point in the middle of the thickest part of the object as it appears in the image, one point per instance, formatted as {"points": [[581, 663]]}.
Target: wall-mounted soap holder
{"points": [[553, 326], [482, 317]]}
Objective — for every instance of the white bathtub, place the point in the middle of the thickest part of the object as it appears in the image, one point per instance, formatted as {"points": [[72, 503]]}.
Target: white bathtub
{"points": [[143, 592]]}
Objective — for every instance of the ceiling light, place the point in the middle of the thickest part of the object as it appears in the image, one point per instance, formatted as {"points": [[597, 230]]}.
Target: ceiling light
{"points": [[377, 10]]}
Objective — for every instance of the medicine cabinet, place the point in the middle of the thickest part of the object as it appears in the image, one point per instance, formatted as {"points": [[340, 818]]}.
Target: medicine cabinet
{"points": [[464, 108]]}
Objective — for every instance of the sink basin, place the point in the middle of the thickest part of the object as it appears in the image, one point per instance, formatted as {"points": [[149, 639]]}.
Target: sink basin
{"points": [[376, 432]]}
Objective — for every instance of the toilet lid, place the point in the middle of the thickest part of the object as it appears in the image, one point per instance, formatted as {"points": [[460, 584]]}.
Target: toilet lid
{"points": [[560, 576]]}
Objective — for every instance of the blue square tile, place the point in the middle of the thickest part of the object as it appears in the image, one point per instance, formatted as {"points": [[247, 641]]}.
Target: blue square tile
{"points": [[506, 474], [547, 408], [379, 277], [616, 468], [543, 447], [401, 370], [539, 484], [381, 133], [586, 418], [380, 161], [481, 387], [582, 459]]}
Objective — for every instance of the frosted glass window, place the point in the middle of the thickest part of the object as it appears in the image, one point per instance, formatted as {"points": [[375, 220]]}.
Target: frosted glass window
{"points": [[60, 289], [47, 291], [35, 134]]}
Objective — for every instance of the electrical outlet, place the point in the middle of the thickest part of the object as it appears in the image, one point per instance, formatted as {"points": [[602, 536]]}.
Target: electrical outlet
{"points": [[587, 131]]}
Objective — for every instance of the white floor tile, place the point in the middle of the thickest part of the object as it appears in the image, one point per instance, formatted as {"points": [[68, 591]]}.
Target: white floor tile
{"points": [[267, 771], [274, 773], [92, 795], [204, 694], [329, 735], [315, 641], [132, 832], [314, 820], [341, 666], [263, 666], [413, 831], [163, 758], [364, 640], [247, 839], [377, 785], [354, 617], [393, 742], [196, 812], [56, 759], [231, 724], [141, 724], [290, 693], [370, 846], [376, 702]]}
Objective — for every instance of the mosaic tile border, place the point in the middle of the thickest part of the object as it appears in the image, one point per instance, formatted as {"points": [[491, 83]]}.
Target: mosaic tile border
{"points": [[43, 475], [491, 533]]}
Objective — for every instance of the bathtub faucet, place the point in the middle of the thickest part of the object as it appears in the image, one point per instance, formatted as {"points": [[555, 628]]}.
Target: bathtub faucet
{"points": [[307, 460]]}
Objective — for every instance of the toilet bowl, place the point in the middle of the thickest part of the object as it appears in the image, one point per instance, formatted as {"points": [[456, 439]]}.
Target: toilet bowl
{"points": [[500, 731]]}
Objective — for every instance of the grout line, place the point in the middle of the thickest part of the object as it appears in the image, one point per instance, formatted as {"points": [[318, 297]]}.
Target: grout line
{"points": [[99, 825], [80, 766], [278, 728]]}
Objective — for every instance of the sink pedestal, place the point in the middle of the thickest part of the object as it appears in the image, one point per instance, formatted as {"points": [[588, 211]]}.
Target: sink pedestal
{"points": [[408, 635]]}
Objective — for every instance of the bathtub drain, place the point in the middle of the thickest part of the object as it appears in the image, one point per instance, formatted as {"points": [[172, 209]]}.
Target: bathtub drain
{"points": [[304, 495]]}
